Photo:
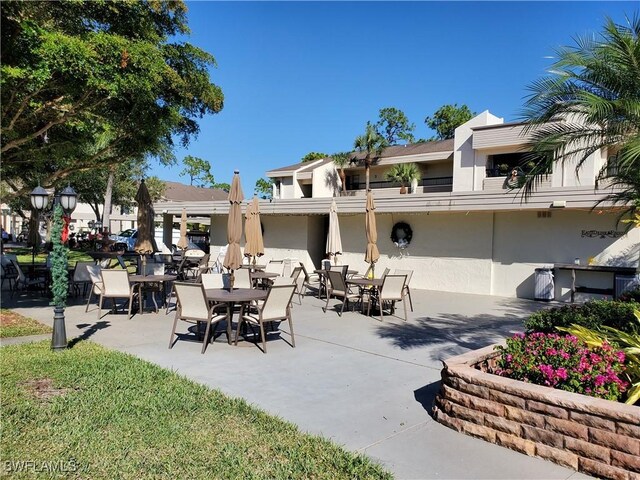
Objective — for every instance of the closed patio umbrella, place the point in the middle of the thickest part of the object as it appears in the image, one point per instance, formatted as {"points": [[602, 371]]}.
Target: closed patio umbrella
{"points": [[254, 246], [233, 257], [145, 242], [183, 242], [34, 238], [372, 254], [334, 241]]}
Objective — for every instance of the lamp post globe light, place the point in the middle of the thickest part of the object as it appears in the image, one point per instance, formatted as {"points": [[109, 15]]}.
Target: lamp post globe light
{"points": [[68, 200], [39, 198]]}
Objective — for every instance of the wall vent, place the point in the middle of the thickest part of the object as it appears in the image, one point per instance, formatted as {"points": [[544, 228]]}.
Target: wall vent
{"points": [[544, 214]]}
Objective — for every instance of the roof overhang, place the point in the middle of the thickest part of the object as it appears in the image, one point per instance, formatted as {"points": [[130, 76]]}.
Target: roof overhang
{"points": [[573, 198]]}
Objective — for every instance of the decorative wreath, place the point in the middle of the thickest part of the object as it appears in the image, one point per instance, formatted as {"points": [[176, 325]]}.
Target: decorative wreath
{"points": [[401, 234]]}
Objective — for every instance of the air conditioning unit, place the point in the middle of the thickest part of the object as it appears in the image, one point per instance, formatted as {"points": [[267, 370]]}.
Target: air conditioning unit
{"points": [[624, 283]]}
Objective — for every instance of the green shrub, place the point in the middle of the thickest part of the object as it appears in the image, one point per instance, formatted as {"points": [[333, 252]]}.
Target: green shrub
{"points": [[592, 315], [630, 296]]}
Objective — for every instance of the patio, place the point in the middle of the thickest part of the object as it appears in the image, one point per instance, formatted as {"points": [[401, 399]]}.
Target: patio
{"points": [[365, 385]]}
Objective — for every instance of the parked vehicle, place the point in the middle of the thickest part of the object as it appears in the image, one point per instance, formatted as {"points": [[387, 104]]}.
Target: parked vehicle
{"points": [[125, 240]]}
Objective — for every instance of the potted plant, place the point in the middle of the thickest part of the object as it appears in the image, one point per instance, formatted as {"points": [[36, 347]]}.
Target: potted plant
{"points": [[503, 168], [404, 174]]}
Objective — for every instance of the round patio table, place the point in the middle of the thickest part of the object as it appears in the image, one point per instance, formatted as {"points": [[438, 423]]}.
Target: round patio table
{"points": [[366, 285], [240, 296], [140, 280]]}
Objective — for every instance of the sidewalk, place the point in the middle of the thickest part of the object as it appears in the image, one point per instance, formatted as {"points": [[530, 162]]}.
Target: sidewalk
{"points": [[365, 385]]}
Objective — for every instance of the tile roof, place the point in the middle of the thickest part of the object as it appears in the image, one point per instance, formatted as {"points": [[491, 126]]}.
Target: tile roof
{"points": [[179, 192], [392, 151]]}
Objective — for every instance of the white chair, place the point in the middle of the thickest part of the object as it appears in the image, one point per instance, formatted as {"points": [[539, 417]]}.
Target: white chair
{"points": [[212, 280], [242, 278], [275, 307], [310, 280], [337, 286], [115, 284], [391, 291], [283, 281], [7, 270], [275, 266], [192, 307], [96, 283], [81, 277], [406, 291], [298, 280]]}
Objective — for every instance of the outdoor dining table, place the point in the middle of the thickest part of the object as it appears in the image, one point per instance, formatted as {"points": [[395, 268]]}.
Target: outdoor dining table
{"points": [[262, 276], [141, 280], [239, 296], [365, 285], [254, 268]]}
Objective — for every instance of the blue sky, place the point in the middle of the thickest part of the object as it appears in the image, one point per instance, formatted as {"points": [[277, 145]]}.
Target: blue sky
{"points": [[306, 76]]}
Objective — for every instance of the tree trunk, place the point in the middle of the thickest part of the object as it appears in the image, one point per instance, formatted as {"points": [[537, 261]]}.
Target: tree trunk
{"points": [[343, 180], [106, 219]]}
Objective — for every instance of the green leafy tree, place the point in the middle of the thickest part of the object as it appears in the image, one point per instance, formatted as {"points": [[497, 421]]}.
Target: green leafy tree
{"points": [[404, 174], [264, 188], [591, 101], [372, 144], [198, 170], [342, 160], [394, 126], [311, 156], [446, 119], [76, 75]]}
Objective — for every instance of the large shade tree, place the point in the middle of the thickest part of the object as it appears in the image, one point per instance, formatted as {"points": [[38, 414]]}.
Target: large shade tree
{"points": [[590, 101], [85, 84], [394, 126], [371, 143]]}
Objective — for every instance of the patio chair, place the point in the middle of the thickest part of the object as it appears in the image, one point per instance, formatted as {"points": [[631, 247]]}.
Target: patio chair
{"points": [[7, 270], [115, 284], [310, 280], [96, 283], [81, 277], [276, 307], [283, 281], [275, 266], [212, 280], [391, 291], [337, 286], [194, 270], [193, 307], [26, 282], [242, 278], [298, 280], [406, 291]]}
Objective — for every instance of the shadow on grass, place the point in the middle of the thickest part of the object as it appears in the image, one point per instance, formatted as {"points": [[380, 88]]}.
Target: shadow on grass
{"points": [[89, 332]]}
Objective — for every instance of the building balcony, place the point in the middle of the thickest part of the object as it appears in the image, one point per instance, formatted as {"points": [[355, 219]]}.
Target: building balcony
{"points": [[426, 185]]}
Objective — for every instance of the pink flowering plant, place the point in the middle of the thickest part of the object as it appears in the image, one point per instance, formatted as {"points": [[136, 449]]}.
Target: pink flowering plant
{"points": [[565, 363]]}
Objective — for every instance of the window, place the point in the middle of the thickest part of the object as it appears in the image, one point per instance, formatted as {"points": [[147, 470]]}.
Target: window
{"points": [[501, 165]]}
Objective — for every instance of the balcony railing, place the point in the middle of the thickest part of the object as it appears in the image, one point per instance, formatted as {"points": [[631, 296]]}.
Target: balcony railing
{"points": [[425, 182]]}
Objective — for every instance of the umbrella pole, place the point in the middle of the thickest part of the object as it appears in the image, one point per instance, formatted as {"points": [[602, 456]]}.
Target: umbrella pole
{"points": [[232, 279]]}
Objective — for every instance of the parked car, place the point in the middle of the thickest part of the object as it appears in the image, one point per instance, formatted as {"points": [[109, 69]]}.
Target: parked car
{"points": [[125, 240]]}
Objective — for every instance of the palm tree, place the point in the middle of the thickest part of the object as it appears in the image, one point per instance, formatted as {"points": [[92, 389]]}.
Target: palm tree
{"points": [[341, 160], [590, 102], [372, 143], [403, 173]]}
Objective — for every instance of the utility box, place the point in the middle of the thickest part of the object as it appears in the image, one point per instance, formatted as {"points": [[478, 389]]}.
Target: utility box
{"points": [[624, 283], [544, 287]]}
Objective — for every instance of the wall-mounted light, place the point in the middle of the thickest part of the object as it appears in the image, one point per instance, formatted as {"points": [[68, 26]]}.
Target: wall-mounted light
{"points": [[559, 204]]}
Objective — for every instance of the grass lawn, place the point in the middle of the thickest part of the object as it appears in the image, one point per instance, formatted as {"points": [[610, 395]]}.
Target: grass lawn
{"points": [[115, 416], [15, 325], [23, 254]]}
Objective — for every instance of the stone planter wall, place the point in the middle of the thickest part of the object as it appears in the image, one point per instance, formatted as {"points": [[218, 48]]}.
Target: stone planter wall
{"points": [[591, 435]]}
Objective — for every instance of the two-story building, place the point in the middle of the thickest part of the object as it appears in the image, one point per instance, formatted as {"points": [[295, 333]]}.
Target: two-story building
{"points": [[472, 231]]}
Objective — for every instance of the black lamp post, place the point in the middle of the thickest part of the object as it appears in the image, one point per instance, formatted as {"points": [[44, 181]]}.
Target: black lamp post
{"points": [[39, 200], [65, 201]]}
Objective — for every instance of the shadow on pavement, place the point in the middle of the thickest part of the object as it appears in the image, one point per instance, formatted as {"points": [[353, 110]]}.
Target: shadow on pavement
{"points": [[89, 332]]}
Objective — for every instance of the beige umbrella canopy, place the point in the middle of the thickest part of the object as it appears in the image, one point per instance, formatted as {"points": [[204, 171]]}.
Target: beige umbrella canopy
{"points": [[183, 242], [34, 238], [334, 241], [253, 231], [233, 258], [146, 242], [372, 254]]}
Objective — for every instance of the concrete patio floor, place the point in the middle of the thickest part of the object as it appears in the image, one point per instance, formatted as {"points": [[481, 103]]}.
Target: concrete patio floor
{"points": [[366, 385]]}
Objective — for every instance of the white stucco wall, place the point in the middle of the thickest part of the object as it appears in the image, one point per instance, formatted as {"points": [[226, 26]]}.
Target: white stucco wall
{"points": [[469, 170], [523, 242], [325, 181], [287, 189]]}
